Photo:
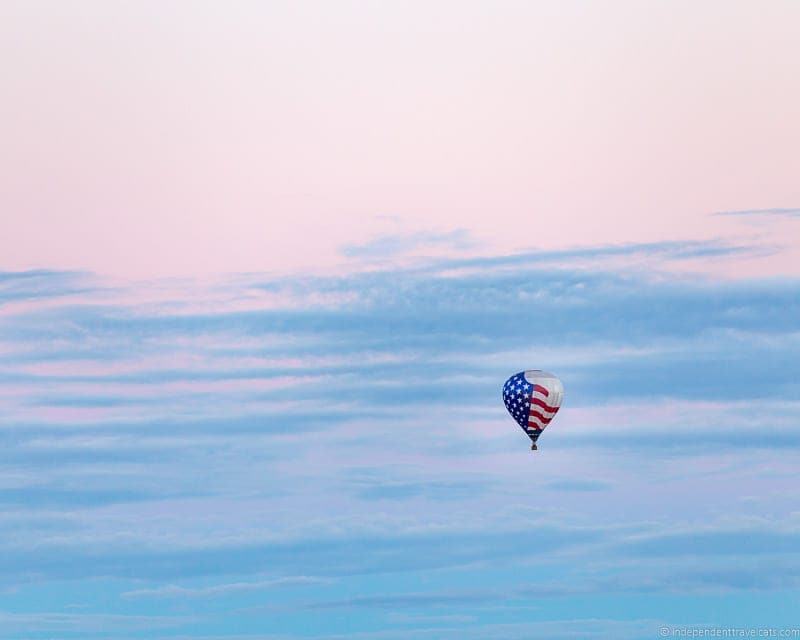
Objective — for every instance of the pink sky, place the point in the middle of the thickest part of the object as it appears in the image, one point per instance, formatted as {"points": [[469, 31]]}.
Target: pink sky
{"points": [[178, 138]]}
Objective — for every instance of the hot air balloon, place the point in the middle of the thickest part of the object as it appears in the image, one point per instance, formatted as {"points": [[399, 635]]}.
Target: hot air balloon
{"points": [[533, 398]]}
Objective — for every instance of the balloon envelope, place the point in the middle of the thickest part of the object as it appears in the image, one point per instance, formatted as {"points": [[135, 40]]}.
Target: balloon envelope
{"points": [[533, 398]]}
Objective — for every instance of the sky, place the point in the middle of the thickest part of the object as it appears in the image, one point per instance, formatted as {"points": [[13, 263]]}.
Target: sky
{"points": [[265, 266]]}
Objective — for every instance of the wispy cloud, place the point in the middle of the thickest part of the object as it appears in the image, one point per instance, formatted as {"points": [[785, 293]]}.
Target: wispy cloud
{"points": [[71, 623], [392, 245], [40, 284], [343, 436], [175, 591], [775, 211]]}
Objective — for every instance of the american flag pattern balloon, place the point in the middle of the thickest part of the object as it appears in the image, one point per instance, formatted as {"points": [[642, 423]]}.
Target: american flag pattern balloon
{"points": [[533, 398]]}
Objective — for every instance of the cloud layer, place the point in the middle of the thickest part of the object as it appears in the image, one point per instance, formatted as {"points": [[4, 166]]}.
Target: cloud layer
{"points": [[327, 456]]}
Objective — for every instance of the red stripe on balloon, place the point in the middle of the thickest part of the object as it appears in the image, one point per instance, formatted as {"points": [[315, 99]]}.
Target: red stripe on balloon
{"points": [[543, 405], [540, 417]]}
